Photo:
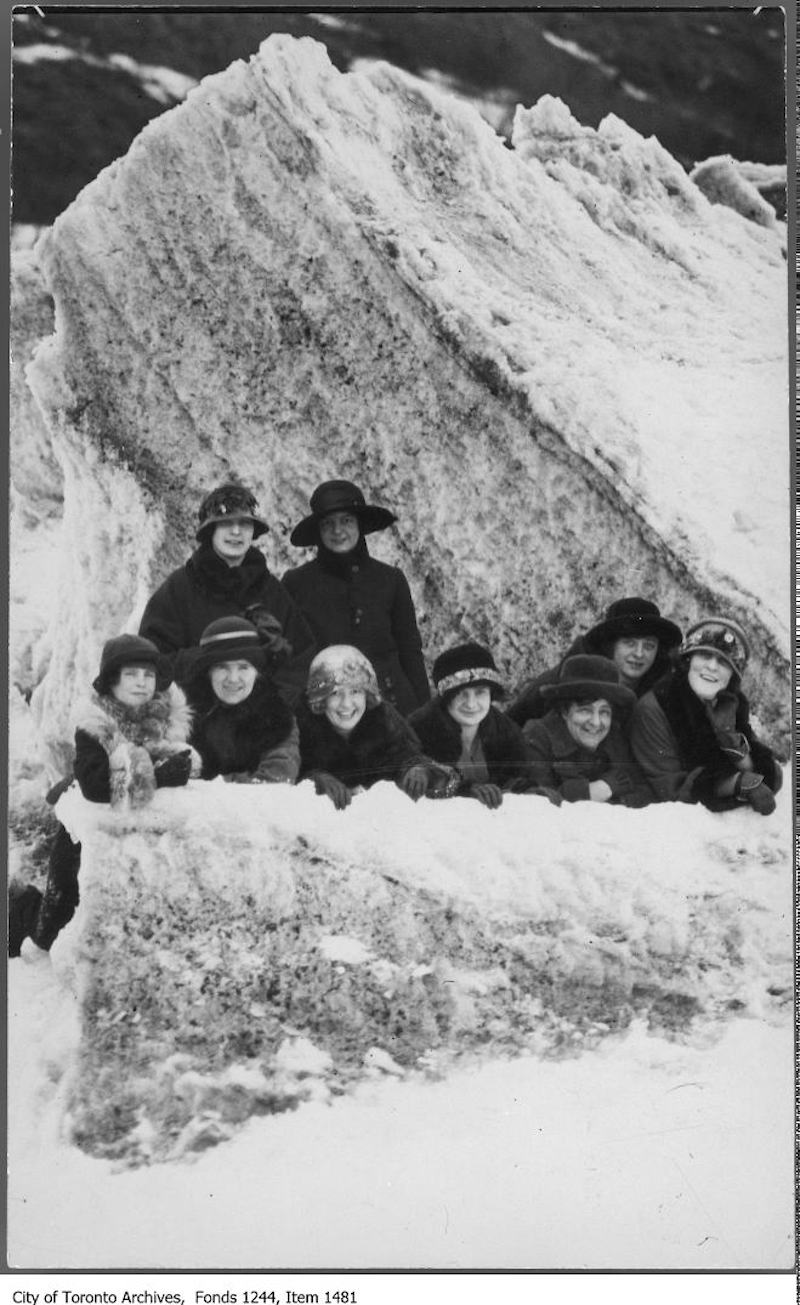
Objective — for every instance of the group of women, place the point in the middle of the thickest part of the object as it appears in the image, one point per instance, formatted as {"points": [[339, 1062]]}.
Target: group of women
{"points": [[321, 676]]}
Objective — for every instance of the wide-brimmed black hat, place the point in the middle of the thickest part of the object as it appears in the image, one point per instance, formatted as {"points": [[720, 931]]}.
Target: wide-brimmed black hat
{"points": [[584, 676], [231, 638], [225, 502], [466, 664], [339, 496], [634, 618], [131, 650]]}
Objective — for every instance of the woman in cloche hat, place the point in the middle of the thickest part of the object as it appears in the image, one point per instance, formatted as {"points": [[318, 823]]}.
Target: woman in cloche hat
{"points": [[579, 747], [691, 733], [350, 598], [633, 635]]}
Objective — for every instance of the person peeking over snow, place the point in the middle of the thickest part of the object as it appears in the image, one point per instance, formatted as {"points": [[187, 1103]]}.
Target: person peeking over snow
{"points": [[579, 747], [692, 733], [242, 729], [350, 598], [463, 728], [350, 738], [226, 576], [131, 738], [633, 635]]}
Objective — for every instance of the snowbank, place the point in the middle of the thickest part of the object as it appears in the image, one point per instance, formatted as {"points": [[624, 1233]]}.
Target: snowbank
{"points": [[562, 366]]}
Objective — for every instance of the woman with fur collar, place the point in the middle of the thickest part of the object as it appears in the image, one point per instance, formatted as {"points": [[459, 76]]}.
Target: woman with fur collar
{"points": [[243, 729], [463, 728], [691, 733], [350, 739]]}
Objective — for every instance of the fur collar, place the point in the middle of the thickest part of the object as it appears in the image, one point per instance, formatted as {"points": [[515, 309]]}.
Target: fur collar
{"points": [[213, 575], [502, 740]]}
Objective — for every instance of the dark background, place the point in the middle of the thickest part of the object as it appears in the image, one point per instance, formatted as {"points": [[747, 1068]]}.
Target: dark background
{"points": [[713, 78]]}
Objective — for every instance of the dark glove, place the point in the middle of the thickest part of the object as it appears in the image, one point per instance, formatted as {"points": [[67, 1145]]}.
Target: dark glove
{"points": [[174, 771], [443, 781], [734, 745], [415, 782], [488, 794], [333, 788], [270, 632], [753, 790]]}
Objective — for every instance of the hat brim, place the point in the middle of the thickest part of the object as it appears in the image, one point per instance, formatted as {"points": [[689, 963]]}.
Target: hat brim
{"points": [[370, 519], [470, 679], [200, 660], [260, 526], [686, 653], [619, 695], [635, 627]]}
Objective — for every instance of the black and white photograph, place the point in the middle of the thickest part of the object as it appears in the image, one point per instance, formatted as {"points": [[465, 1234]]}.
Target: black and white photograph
{"points": [[400, 871]]}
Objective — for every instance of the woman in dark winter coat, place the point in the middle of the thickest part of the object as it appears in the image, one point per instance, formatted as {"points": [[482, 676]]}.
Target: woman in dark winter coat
{"points": [[691, 733], [350, 598], [350, 738], [463, 728], [579, 747], [633, 635], [131, 738], [243, 729], [225, 576]]}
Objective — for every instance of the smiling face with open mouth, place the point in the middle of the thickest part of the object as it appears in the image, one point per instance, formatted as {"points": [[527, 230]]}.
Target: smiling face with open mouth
{"points": [[588, 723], [709, 674], [345, 707]]}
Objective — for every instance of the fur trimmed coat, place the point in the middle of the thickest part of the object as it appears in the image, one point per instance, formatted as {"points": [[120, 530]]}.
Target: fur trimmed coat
{"points": [[254, 741], [204, 590], [558, 761], [677, 746], [117, 747], [382, 746], [502, 742]]}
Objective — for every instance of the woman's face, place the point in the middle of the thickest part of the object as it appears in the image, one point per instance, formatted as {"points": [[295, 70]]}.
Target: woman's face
{"points": [[135, 686], [708, 675], [233, 681], [588, 723], [231, 539], [345, 707], [470, 705], [633, 657], [339, 532]]}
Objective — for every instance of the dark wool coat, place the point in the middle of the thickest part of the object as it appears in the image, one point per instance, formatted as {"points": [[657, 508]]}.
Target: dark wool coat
{"points": [[251, 740], [502, 742], [677, 747], [558, 761], [529, 703], [382, 746], [205, 589], [116, 747], [354, 599]]}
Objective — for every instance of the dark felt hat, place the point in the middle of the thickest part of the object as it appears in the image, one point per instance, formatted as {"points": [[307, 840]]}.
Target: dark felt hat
{"points": [[231, 638], [634, 618], [130, 650], [464, 665], [587, 677], [225, 502], [339, 496]]}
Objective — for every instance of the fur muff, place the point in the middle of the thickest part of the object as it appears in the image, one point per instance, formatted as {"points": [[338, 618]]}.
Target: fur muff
{"points": [[134, 739]]}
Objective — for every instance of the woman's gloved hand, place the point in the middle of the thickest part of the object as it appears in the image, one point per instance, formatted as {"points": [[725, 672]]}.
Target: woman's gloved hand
{"points": [[415, 782], [329, 786], [174, 771], [753, 789], [487, 794]]}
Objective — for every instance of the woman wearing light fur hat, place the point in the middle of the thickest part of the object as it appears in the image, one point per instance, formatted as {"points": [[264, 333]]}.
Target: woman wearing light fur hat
{"points": [[243, 729], [351, 739], [463, 728], [691, 733], [131, 738]]}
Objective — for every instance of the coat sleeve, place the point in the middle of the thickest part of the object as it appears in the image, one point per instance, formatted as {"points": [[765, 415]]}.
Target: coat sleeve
{"points": [[656, 750], [91, 768], [407, 637], [542, 769], [291, 678], [403, 749], [162, 620], [281, 763], [625, 777]]}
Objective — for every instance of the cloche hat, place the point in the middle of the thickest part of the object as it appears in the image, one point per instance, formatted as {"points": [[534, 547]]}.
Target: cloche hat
{"points": [[224, 502], [131, 650], [467, 663], [635, 618], [336, 667], [588, 677], [721, 636], [230, 638], [339, 496]]}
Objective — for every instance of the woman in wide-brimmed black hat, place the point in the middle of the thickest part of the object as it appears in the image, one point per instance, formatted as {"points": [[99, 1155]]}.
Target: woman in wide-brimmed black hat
{"points": [[633, 635], [348, 597], [691, 733], [579, 747]]}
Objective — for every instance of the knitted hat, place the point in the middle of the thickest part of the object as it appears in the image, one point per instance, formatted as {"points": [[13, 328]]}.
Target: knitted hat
{"points": [[633, 618], [130, 650], [339, 496], [584, 677], [467, 663], [717, 635], [224, 502], [337, 667], [228, 639]]}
